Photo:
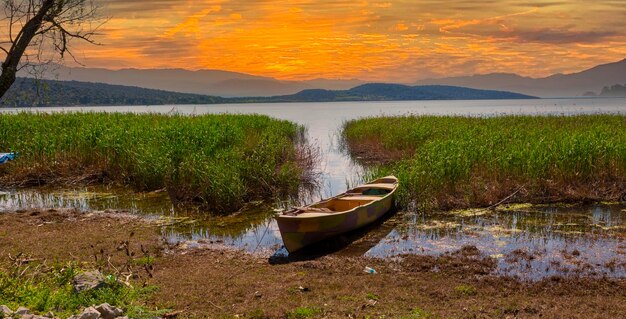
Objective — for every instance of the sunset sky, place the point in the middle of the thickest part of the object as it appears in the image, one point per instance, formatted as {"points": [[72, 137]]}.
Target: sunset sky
{"points": [[371, 40]]}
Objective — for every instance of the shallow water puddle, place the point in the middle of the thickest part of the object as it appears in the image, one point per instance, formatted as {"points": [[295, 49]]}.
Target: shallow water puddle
{"points": [[87, 198], [530, 242], [252, 230]]}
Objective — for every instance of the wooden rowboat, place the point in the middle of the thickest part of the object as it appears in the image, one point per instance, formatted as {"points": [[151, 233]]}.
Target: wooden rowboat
{"points": [[353, 209]]}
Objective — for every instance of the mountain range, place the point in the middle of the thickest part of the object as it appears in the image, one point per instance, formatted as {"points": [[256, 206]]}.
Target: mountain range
{"points": [[29, 92], [233, 84], [206, 82], [557, 85]]}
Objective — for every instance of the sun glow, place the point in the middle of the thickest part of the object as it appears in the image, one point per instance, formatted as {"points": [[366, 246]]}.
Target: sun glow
{"points": [[384, 41]]}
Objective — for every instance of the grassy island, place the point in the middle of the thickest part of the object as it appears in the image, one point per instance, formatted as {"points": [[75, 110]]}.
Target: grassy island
{"points": [[449, 162], [217, 161]]}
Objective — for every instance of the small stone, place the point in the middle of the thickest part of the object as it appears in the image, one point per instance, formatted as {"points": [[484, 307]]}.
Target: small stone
{"points": [[22, 311], [50, 314], [89, 313], [88, 280], [258, 294], [5, 311], [109, 312]]}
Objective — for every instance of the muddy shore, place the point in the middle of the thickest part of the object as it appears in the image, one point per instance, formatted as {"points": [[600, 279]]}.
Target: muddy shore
{"points": [[215, 282]]}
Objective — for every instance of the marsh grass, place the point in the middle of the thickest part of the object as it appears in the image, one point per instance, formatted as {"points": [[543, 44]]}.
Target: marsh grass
{"points": [[453, 162], [219, 162]]}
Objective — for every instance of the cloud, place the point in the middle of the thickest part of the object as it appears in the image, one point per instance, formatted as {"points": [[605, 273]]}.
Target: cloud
{"points": [[557, 36], [191, 25], [388, 40]]}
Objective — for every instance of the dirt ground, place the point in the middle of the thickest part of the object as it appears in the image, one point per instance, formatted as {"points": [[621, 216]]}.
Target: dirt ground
{"points": [[220, 283]]}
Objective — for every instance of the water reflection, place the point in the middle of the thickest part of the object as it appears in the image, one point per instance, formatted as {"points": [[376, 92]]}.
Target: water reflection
{"points": [[87, 198], [530, 243]]}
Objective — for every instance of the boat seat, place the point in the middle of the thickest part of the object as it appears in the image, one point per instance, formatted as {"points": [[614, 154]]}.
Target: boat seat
{"points": [[360, 197], [314, 214], [379, 185]]}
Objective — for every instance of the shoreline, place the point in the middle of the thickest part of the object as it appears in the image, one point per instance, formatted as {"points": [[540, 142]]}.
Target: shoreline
{"points": [[222, 282]]}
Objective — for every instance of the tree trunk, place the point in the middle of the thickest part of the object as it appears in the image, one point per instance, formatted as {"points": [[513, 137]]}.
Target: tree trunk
{"points": [[6, 80], [12, 61]]}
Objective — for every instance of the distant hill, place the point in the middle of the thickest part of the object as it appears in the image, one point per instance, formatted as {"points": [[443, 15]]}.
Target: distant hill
{"points": [[558, 85], [234, 84], [616, 90], [398, 92], [206, 82], [29, 92]]}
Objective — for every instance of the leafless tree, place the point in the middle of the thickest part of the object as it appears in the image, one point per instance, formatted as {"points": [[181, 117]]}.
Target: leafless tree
{"points": [[35, 32]]}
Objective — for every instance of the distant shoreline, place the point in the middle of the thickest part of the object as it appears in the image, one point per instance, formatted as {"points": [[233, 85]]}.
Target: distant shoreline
{"points": [[49, 93]]}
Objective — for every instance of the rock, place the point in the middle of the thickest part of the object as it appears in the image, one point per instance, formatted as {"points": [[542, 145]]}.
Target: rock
{"points": [[21, 311], [50, 314], [5, 311], [109, 312], [89, 313], [88, 280]]}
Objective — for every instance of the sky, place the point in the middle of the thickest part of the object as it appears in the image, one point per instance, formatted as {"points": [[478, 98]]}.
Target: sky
{"points": [[394, 41]]}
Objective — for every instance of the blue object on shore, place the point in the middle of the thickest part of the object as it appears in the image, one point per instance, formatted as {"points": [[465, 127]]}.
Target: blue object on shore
{"points": [[5, 157]]}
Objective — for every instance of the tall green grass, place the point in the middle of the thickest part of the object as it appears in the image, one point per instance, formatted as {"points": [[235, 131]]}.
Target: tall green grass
{"points": [[450, 161], [218, 161]]}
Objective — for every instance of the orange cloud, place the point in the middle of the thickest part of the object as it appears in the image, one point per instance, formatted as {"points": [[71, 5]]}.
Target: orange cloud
{"points": [[192, 23], [382, 41]]}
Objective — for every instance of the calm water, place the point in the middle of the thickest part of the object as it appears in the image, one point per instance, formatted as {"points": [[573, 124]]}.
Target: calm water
{"points": [[540, 232]]}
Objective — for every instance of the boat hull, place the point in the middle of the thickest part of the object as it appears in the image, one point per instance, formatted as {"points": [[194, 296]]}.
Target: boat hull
{"points": [[300, 232]]}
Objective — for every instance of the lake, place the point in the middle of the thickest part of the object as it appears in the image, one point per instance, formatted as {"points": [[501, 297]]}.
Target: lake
{"points": [[497, 233]]}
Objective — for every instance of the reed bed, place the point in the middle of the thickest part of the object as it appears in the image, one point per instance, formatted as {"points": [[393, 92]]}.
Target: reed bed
{"points": [[217, 161], [449, 162]]}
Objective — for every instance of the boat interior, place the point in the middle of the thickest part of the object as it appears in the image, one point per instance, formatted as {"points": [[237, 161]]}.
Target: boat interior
{"points": [[358, 196]]}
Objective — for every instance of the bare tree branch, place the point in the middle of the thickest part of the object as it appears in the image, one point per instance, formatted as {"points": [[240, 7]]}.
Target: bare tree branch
{"points": [[46, 29]]}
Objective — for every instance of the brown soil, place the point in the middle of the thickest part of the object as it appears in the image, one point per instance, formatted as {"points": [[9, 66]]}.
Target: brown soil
{"points": [[219, 283], [66, 235]]}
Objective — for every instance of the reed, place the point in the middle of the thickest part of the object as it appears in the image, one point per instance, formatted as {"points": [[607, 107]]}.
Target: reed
{"points": [[452, 162], [217, 161]]}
